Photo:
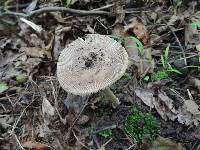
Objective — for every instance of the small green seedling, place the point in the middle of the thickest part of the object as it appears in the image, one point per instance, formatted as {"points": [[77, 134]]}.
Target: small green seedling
{"points": [[167, 68], [166, 65], [139, 125], [156, 76], [127, 76], [164, 58], [106, 133]]}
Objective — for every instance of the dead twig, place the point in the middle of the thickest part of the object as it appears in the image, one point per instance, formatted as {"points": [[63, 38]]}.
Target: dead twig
{"points": [[55, 95], [79, 141], [131, 147], [177, 40], [18, 142], [103, 146], [94, 137], [17, 121], [104, 7], [54, 9], [105, 128], [76, 118]]}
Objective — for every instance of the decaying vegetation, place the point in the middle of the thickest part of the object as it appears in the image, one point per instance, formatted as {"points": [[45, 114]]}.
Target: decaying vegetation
{"points": [[159, 92]]}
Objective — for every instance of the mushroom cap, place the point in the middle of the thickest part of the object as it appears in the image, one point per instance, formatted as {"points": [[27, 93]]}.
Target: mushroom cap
{"points": [[87, 66]]}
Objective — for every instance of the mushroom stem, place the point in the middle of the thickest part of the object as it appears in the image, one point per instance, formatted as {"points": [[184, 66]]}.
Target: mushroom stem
{"points": [[111, 96]]}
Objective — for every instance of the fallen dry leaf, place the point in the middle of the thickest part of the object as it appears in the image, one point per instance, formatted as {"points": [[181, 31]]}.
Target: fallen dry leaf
{"points": [[162, 143], [131, 49], [48, 111], [141, 57], [146, 96], [118, 30], [139, 29], [83, 119], [194, 82], [60, 31], [47, 108], [33, 51], [187, 114], [191, 106], [35, 145], [37, 28], [29, 65], [198, 48], [43, 40], [191, 36]]}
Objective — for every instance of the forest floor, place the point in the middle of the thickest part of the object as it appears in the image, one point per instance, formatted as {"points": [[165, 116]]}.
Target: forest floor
{"points": [[162, 39]]}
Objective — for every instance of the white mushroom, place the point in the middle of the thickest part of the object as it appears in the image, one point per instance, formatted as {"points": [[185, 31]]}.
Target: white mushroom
{"points": [[90, 65]]}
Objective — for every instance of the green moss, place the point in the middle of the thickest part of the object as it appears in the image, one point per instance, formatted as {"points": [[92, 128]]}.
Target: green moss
{"points": [[156, 76], [139, 125], [106, 133], [3, 86], [21, 78]]}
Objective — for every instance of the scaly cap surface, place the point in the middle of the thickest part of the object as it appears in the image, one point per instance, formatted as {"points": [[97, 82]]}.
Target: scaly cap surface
{"points": [[87, 66]]}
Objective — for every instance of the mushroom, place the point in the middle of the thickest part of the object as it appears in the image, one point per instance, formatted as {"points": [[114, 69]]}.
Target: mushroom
{"points": [[88, 66]]}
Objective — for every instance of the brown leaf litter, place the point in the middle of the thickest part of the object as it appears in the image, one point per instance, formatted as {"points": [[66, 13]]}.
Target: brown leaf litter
{"points": [[139, 29], [35, 145], [162, 143], [41, 41], [142, 58], [187, 113], [44, 123]]}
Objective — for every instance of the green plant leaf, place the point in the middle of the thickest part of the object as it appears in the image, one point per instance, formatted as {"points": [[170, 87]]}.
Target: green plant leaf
{"points": [[191, 66], [174, 70], [106, 133], [138, 45], [163, 61], [169, 66], [146, 78], [196, 24], [116, 37], [70, 2]]}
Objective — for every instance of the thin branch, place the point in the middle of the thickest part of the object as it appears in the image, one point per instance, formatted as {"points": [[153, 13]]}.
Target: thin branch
{"points": [[104, 7], [177, 40], [79, 141], [54, 9], [18, 142], [105, 128]]}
